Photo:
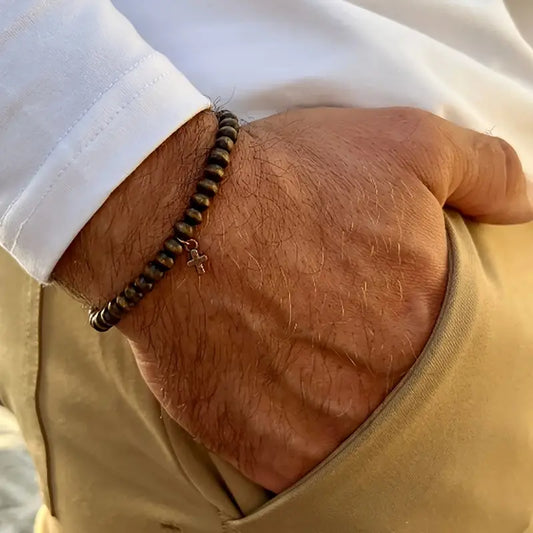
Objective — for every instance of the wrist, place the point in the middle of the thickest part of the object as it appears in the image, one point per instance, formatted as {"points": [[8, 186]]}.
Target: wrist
{"points": [[137, 217]]}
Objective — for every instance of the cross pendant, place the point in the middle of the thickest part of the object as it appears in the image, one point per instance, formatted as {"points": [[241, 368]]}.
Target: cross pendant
{"points": [[197, 261]]}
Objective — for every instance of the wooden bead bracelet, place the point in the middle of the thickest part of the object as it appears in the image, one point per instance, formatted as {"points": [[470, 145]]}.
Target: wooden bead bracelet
{"points": [[110, 315]]}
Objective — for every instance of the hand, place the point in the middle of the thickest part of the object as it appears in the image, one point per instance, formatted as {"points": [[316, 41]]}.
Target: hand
{"points": [[328, 266]]}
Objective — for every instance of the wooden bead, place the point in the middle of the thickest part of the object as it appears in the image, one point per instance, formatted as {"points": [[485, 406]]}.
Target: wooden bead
{"points": [[193, 217], [133, 294], [207, 187], [200, 201], [228, 131], [123, 303], [96, 323], [173, 247], [152, 272], [214, 172], [219, 156], [225, 143], [221, 115], [144, 284], [115, 310], [232, 122], [107, 318], [164, 260], [184, 231]]}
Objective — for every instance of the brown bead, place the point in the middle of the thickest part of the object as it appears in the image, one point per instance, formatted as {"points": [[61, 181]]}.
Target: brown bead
{"points": [[144, 284], [115, 311], [193, 217], [152, 272], [200, 202], [225, 143], [184, 231], [107, 318], [207, 187], [221, 115], [232, 122], [214, 172], [173, 247], [228, 131], [123, 303], [133, 294], [164, 260], [219, 156], [96, 323]]}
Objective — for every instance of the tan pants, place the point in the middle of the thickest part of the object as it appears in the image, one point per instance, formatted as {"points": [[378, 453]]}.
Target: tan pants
{"points": [[450, 450]]}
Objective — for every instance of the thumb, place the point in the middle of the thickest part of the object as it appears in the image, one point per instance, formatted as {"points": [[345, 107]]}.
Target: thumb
{"points": [[484, 179]]}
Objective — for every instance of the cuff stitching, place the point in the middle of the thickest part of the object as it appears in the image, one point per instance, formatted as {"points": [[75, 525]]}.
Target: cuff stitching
{"points": [[53, 184], [97, 98]]}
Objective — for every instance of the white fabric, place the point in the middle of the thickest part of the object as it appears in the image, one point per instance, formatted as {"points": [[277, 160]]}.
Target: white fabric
{"points": [[83, 98]]}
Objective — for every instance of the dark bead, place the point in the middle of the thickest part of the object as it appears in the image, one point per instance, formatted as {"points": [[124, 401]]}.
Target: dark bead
{"points": [[164, 260], [219, 156], [207, 187], [232, 122], [152, 272], [184, 231], [123, 303], [193, 217], [200, 202], [221, 115], [225, 143], [114, 310], [133, 294], [144, 284], [107, 318], [228, 131], [96, 323], [173, 247], [214, 172]]}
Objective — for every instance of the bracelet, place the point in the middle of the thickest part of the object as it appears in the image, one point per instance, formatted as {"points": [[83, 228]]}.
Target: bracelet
{"points": [[110, 315]]}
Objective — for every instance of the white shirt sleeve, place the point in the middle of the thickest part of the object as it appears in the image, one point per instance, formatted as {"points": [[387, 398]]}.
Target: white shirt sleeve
{"points": [[83, 100]]}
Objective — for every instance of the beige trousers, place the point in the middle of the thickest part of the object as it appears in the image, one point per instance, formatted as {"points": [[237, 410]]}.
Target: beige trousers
{"points": [[450, 449]]}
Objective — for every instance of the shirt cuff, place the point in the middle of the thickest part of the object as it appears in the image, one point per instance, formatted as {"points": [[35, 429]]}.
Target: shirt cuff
{"points": [[129, 121]]}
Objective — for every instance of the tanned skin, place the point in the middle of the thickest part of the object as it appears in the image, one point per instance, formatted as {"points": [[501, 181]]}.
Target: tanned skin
{"points": [[328, 265]]}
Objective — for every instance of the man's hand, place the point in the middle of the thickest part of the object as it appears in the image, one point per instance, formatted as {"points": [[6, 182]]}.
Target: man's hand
{"points": [[327, 269]]}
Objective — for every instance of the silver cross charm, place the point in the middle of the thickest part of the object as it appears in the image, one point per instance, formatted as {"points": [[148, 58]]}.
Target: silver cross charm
{"points": [[197, 261]]}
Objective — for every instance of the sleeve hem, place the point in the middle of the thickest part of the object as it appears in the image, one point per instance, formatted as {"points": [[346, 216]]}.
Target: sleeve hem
{"points": [[127, 123]]}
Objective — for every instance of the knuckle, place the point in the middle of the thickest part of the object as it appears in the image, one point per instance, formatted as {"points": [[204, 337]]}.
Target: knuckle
{"points": [[505, 165], [430, 133], [426, 125], [425, 134], [427, 150]]}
